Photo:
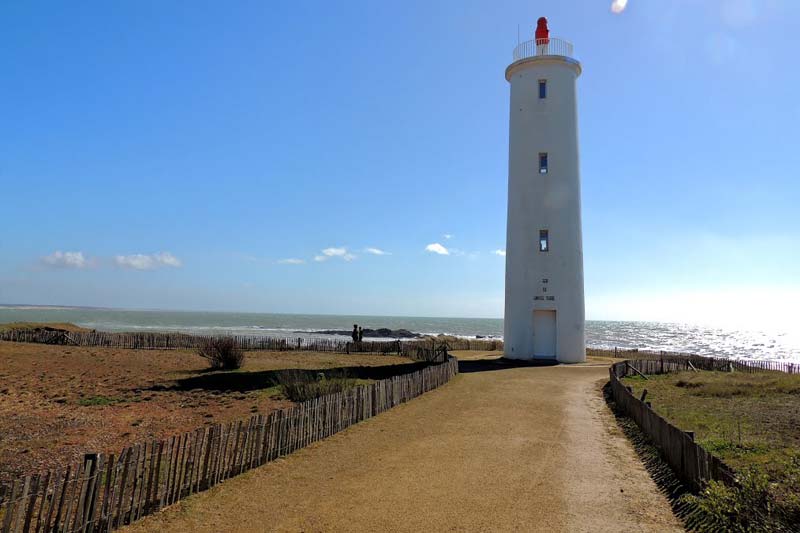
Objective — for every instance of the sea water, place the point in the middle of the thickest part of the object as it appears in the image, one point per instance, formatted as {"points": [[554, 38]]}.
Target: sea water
{"points": [[703, 340]]}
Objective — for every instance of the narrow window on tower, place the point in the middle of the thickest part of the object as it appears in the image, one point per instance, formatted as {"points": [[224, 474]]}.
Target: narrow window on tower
{"points": [[543, 163], [542, 89], [544, 240]]}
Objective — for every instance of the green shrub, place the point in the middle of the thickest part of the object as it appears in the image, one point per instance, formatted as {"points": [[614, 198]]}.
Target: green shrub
{"points": [[222, 353], [750, 507], [787, 493], [95, 401], [300, 386]]}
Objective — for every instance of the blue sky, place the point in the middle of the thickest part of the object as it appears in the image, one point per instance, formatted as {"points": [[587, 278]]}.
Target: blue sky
{"points": [[200, 155]]}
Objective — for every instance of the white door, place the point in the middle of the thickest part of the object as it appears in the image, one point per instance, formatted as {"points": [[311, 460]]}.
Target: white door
{"points": [[544, 333]]}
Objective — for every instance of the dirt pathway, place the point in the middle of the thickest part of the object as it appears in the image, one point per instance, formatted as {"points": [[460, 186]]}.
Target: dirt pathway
{"points": [[498, 449]]}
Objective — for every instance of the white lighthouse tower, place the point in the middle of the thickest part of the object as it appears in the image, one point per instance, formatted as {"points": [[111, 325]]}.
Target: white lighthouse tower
{"points": [[544, 312]]}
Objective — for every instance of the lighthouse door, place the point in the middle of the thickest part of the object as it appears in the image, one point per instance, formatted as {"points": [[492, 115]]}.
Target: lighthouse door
{"points": [[544, 333]]}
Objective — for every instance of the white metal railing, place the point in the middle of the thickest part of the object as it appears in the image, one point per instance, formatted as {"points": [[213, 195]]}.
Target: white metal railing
{"points": [[543, 47]]}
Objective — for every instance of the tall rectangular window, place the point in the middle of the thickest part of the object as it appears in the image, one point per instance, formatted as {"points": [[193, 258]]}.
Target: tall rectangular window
{"points": [[542, 89], [544, 240], [543, 163]]}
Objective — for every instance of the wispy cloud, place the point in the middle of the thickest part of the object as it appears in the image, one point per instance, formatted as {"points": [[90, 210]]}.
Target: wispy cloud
{"points": [[501, 253], [334, 252], [147, 262], [59, 259], [436, 248], [447, 236], [618, 6], [376, 251], [291, 261]]}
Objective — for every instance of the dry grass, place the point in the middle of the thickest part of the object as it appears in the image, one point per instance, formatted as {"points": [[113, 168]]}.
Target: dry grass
{"points": [[299, 386], [222, 353], [59, 402]]}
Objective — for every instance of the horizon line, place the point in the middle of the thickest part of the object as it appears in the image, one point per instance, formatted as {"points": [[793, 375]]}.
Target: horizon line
{"points": [[21, 306]]}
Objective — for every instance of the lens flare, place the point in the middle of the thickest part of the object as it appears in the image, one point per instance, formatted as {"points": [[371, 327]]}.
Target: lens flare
{"points": [[618, 6]]}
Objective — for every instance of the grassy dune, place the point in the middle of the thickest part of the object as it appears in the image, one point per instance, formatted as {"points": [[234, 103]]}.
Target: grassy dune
{"points": [[750, 421]]}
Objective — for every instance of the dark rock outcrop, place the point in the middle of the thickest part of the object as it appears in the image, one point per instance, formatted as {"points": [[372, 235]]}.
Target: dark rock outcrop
{"points": [[384, 333]]}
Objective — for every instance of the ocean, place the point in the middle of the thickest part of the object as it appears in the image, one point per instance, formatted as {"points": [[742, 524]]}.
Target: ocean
{"points": [[703, 340]]}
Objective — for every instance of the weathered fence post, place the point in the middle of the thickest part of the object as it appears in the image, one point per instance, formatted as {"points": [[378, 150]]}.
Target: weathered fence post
{"points": [[90, 467]]}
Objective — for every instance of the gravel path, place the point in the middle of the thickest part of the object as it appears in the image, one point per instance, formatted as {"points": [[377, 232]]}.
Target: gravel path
{"points": [[497, 449]]}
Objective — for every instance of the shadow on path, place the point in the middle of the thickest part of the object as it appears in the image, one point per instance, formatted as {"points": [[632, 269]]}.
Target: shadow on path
{"points": [[660, 472], [263, 379], [489, 365]]}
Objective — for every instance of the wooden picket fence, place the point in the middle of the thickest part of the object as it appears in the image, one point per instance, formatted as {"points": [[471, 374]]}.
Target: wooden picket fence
{"points": [[489, 345], [701, 362], [690, 461], [106, 492], [174, 340]]}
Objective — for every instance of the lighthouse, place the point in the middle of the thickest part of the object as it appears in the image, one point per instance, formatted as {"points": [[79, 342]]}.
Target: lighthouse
{"points": [[544, 307]]}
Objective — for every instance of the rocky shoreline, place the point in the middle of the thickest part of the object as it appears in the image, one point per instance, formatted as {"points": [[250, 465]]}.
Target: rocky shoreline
{"points": [[387, 333], [384, 333]]}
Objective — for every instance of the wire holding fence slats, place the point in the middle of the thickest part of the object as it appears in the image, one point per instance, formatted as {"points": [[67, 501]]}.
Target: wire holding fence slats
{"points": [[106, 492]]}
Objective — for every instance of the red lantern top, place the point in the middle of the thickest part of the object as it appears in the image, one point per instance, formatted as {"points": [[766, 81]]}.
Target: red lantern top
{"points": [[542, 33]]}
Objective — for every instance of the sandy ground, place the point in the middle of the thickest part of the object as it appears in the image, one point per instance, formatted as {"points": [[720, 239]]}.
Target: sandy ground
{"points": [[50, 413], [497, 449]]}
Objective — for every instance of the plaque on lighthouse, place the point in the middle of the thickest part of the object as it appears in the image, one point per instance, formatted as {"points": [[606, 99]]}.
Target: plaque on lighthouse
{"points": [[544, 301]]}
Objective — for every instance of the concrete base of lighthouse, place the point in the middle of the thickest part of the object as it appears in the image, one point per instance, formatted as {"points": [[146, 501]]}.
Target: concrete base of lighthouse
{"points": [[546, 335]]}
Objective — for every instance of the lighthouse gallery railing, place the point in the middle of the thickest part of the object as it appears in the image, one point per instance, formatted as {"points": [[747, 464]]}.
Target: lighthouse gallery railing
{"points": [[543, 47]]}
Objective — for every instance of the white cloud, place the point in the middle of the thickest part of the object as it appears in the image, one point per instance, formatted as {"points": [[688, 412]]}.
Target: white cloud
{"points": [[501, 253], [59, 259], [447, 236], [167, 259], [376, 251], [333, 252], [147, 262], [618, 6], [291, 261], [436, 248]]}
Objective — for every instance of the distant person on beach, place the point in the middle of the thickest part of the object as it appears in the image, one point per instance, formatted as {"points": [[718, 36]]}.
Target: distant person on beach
{"points": [[360, 334], [355, 333]]}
